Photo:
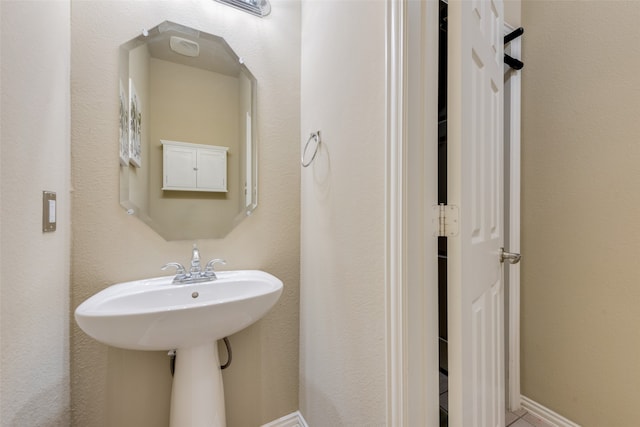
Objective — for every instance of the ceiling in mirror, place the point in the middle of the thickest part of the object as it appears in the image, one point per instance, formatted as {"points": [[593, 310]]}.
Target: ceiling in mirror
{"points": [[187, 133], [213, 54]]}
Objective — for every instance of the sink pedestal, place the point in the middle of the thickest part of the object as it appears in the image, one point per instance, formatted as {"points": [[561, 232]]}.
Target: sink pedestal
{"points": [[197, 395]]}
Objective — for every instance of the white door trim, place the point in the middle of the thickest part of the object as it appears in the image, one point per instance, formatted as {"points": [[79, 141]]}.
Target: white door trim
{"points": [[394, 224], [411, 184], [513, 271]]}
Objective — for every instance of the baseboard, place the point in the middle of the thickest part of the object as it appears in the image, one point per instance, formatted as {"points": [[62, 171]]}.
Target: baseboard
{"points": [[546, 414], [294, 419]]}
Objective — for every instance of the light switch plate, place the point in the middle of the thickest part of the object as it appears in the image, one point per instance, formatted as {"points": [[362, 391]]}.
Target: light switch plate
{"points": [[48, 211]]}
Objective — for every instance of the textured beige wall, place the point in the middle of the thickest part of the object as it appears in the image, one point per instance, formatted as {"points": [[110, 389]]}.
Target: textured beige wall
{"points": [[34, 322], [580, 223], [342, 311], [119, 388], [513, 12]]}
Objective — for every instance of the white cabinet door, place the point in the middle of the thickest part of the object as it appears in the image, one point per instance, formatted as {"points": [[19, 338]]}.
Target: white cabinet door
{"points": [[179, 167], [212, 170]]}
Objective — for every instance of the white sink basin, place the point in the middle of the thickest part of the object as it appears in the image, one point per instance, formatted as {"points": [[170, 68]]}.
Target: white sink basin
{"points": [[155, 314]]}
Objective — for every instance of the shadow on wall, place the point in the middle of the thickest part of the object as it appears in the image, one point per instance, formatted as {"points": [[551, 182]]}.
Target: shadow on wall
{"points": [[49, 397], [321, 167], [328, 415], [325, 413]]}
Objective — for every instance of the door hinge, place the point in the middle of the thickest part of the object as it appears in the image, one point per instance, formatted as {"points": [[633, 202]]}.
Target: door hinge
{"points": [[445, 220]]}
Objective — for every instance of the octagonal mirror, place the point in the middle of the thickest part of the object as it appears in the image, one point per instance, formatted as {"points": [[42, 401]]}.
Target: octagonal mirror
{"points": [[188, 165]]}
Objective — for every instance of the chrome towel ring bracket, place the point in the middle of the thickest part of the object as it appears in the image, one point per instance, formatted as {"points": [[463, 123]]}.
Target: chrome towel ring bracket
{"points": [[315, 137]]}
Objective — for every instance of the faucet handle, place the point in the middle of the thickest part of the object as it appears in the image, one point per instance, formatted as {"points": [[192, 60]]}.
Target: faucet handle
{"points": [[195, 260], [195, 253], [209, 269], [180, 271]]}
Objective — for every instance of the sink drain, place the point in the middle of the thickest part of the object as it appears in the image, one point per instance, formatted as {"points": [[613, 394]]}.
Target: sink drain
{"points": [[195, 295]]}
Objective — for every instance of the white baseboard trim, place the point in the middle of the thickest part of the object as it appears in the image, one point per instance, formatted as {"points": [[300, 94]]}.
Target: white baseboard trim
{"points": [[546, 414], [295, 419]]}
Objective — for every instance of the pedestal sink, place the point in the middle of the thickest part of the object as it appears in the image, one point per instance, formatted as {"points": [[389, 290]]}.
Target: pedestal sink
{"points": [[156, 314]]}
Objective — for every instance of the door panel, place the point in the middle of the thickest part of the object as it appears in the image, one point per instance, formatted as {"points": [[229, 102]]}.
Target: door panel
{"points": [[212, 170], [180, 164], [475, 179]]}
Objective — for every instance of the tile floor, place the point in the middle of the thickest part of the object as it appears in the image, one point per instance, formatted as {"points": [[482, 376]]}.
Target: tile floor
{"points": [[519, 418], [522, 418]]}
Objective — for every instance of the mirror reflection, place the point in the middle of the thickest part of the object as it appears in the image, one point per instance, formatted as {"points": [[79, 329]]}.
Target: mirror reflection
{"points": [[187, 133]]}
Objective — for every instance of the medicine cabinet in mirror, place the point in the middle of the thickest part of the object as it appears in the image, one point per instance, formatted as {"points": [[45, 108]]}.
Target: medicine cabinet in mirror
{"points": [[187, 117]]}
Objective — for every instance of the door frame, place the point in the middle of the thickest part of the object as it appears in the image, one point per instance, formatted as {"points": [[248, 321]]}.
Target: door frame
{"points": [[513, 245], [411, 271]]}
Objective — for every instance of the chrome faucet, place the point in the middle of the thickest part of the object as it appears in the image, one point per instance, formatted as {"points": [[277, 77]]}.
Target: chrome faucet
{"points": [[195, 261], [195, 274]]}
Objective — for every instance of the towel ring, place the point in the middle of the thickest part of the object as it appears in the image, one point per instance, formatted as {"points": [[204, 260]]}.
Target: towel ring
{"points": [[315, 136]]}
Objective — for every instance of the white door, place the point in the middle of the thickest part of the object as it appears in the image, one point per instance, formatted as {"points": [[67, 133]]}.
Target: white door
{"points": [[475, 178]]}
